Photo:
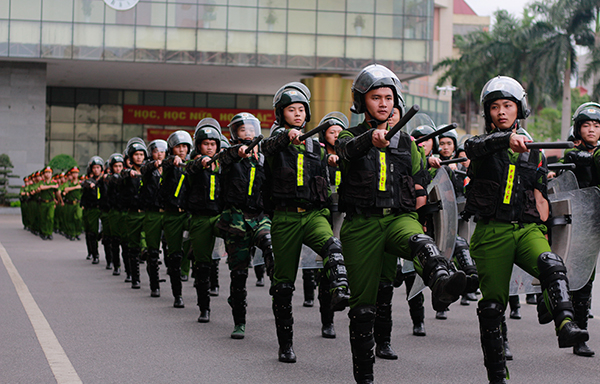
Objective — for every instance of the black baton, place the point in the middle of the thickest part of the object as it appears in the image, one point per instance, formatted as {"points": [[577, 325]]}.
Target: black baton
{"points": [[254, 143], [556, 145], [403, 120], [452, 161], [314, 131], [438, 132]]}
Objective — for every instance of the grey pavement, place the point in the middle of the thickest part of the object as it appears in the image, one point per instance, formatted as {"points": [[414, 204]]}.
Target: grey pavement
{"points": [[113, 334]]}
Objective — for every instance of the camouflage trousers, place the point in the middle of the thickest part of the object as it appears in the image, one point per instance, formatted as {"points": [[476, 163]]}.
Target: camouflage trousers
{"points": [[242, 231]]}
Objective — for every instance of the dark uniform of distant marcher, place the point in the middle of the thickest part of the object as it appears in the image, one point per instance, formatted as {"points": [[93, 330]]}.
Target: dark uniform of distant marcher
{"points": [[204, 202], [507, 197], [46, 194], [134, 218], [71, 198], [90, 200], [586, 132], [243, 223], [151, 175], [299, 195], [112, 184], [172, 198], [383, 183], [328, 138]]}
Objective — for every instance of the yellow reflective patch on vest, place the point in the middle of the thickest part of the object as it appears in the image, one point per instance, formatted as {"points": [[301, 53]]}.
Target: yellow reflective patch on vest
{"points": [[252, 174], [382, 171], [509, 184], [300, 166], [98, 189], [179, 185], [338, 177], [212, 187]]}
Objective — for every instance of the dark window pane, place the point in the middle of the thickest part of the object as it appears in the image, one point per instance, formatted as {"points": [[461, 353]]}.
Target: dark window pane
{"points": [[86, 96], [179, 99], [218, 100], [154, 98], [109, 96], [63, 96]]}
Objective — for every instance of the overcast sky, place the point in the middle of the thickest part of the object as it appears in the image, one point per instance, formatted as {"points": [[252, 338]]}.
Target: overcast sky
{"points": [[487, 7]]}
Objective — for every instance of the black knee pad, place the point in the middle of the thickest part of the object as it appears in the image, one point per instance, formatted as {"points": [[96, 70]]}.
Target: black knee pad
{"points": [[490, 310], [362, 314], [153, 256], [551, 266], [238, 278], [282, 290], [202, 272], [333, 245]]}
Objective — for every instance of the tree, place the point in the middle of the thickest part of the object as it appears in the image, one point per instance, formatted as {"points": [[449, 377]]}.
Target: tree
{"points": [[62, 162], [485, 54], [559, 26], [6, 173]]}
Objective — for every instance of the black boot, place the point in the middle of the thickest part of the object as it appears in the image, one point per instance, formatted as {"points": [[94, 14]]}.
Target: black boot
{"points": [[335, 269], [94, 245], [152, 268], [416, 307], [515, 307], [174, 272], [383, 322], [582, 299], [490, 328], [282, 309], [237, 301], [126, 265], [259, 270], [362, 320], [107, 251], [465, 263], [308, 283], [115, 243], [438, 274], [507, 353], [88, 243], [134, 267], [327, 329], [553, 276], [214, 277], [202, 284]]}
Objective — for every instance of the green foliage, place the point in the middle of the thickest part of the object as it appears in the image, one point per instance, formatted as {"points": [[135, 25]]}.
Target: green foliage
{"points": [[6, 173], [62, 163], [546, 126], [538, 50], [16, 203]]}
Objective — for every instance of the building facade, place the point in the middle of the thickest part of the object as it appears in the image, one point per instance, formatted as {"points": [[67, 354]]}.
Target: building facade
{"points": [[81, 77]]}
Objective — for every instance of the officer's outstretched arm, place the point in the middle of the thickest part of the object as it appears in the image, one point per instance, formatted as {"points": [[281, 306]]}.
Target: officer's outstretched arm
{"points": [[352, 147], [484, 145], [276, 143]]}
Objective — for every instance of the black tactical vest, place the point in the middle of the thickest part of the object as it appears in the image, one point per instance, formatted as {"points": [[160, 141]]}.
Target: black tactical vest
{"points": [[243, 182], [504, 191], [204, 192], [299, 175], [380, 179]]}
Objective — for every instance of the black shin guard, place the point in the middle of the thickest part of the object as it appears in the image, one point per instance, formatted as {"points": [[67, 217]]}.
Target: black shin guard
{"points": [[152, 268], [490, 327], [202, 284], [555, 302], [237, 295], [383, 321], [267, 249], [465, 263], [362, 320], [284, 321], [335, 269], [174, 272]]}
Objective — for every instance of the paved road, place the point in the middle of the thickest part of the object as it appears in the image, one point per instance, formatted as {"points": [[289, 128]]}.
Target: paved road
{"points": [[112, 334]]}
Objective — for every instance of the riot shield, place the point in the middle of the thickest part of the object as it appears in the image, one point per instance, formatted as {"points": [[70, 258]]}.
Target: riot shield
{"points": [[577, 241], [465, 229], [257, 257], [309, 259], [219, 249], [565, 182], [441, 202], [522, 282]]}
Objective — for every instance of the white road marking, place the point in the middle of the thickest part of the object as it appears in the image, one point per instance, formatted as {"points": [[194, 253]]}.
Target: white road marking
{"points": [[61, 366]]}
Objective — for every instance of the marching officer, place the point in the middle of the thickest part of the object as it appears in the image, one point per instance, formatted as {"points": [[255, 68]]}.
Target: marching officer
{"points": [[299, 194], [507, 196], [383, 184]]}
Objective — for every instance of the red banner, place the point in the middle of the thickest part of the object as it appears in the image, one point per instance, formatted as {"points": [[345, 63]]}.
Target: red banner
{"points": [[189, 117]]}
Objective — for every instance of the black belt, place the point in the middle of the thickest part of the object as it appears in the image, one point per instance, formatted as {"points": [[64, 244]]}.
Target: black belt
{"points": [[376, 211]]}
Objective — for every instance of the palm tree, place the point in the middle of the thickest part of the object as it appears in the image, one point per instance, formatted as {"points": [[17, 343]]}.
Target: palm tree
{"points": [[485, 54], [559, 26]]}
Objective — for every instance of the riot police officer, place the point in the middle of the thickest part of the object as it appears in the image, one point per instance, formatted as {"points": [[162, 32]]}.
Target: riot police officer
{"points": [[299, 195], [507, 196], [383, 183]]}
